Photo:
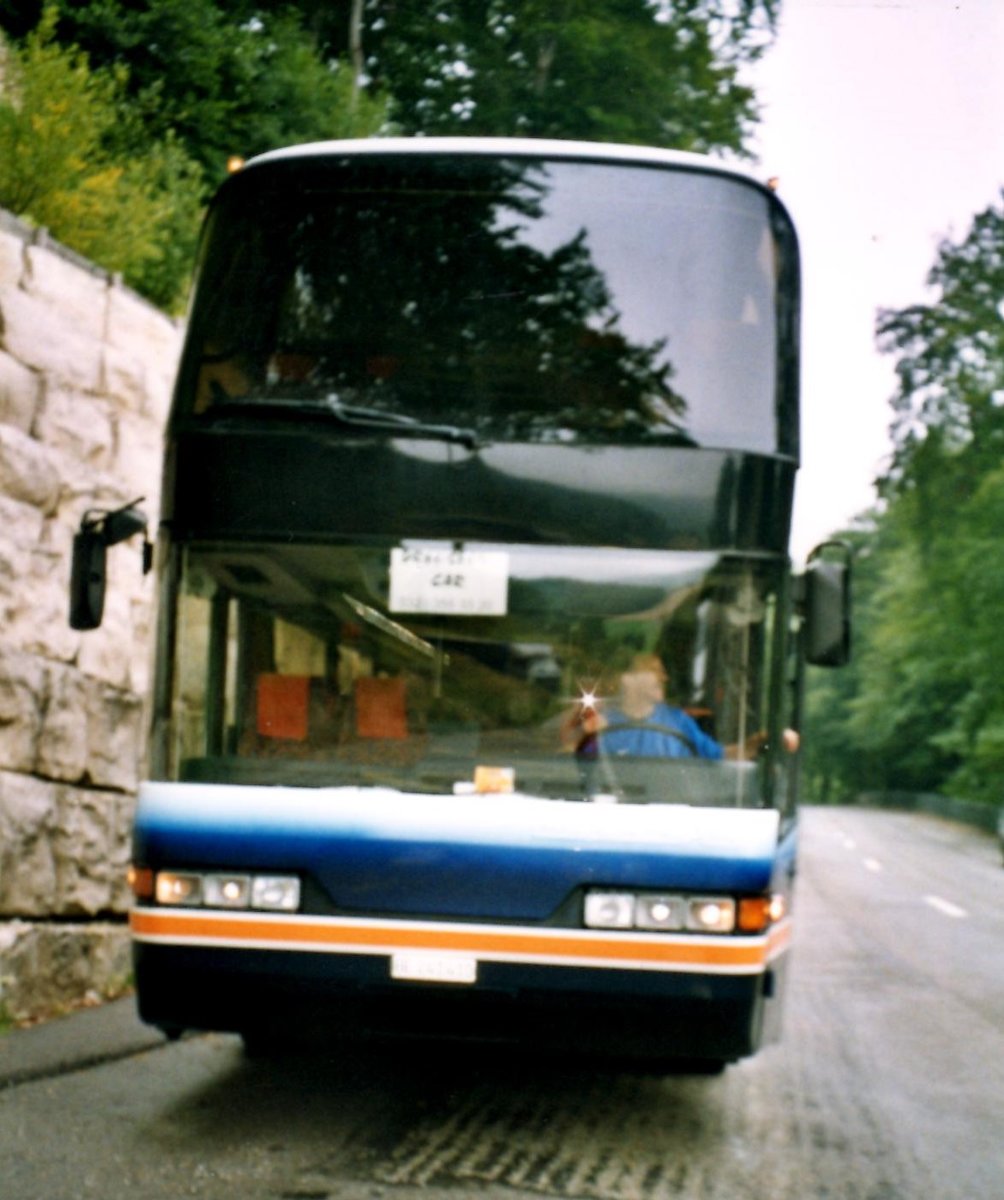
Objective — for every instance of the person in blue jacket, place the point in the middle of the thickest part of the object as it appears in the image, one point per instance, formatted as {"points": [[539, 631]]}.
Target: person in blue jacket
{"points": [[641, 724]]}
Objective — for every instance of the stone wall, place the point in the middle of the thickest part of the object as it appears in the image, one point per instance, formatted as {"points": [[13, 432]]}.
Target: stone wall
{"points": [[85, 373]]}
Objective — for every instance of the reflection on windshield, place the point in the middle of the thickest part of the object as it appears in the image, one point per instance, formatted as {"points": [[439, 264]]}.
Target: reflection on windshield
{"points": [[557, 302], [558, 672]]}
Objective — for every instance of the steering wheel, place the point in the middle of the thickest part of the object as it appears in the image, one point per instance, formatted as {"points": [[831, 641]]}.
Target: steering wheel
{"points": [[653, 727]]}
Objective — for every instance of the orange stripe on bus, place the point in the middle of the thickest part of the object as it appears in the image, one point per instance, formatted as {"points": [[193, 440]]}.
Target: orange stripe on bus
{"points": [[339, 936]]}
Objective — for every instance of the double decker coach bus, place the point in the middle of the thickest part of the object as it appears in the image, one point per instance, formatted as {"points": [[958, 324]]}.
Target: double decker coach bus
{"points": [[476, 698]]}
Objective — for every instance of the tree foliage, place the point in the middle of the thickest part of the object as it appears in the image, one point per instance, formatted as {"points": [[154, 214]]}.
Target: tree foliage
{"points": [[923, 706], [639, 71], [115, 147], [224, 87], [240, 77], [65, 164]]}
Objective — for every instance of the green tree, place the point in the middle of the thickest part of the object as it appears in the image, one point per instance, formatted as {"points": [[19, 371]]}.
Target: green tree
{"points": [[975, 563], [119, 118], [62, 165], [224, 86], [660, 72], [923, 706], [946, 488], [880, 723], [948, 427]]}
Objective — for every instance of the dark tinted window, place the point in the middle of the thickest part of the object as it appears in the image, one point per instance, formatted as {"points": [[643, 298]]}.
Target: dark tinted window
{"points": [[554, 301]]}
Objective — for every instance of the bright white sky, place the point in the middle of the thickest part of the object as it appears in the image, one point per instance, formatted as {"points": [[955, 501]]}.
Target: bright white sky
{"points": [[884, 120]]}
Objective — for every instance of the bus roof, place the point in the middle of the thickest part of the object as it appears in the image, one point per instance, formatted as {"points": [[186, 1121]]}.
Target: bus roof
{"points": [[513, 147]]}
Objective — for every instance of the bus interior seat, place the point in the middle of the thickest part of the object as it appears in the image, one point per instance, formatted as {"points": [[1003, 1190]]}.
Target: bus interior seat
{"points": [[380, 707], [282, 706]]}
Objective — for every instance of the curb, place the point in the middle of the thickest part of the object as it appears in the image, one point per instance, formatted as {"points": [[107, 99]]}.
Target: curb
{"points": [[82, 1039]]}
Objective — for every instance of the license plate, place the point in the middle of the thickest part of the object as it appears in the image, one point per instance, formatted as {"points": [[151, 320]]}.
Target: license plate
{"points": [[434, 968]]}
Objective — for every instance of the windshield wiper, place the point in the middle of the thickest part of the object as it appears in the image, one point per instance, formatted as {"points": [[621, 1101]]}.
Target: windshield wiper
{"points": [[357, 415], [377, 418]]}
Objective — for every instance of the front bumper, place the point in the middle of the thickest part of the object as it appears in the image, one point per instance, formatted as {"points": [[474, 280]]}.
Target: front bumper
{"points": [[647, 996]]}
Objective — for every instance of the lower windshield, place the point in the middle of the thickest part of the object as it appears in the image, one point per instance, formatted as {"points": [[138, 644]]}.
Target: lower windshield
{"points": [[564, 673]]}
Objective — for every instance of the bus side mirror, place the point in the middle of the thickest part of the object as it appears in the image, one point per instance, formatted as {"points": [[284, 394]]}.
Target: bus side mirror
{"points": [[98, 530], [827, 606], [87, 579]]}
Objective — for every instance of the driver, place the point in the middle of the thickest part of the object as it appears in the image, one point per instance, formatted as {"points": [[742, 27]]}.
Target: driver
{"points": [[642, 724]]}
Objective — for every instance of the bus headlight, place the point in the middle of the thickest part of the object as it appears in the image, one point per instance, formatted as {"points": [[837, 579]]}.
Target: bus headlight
{"points": [[217, 889], [654, 911], [226, 891], [609, 910], [281, 893], [660, 912], [711, 914], [178, 887]]}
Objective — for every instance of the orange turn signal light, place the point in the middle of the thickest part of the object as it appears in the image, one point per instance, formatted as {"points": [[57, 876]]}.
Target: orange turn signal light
{"points": [[141, 882], [758, 912]]}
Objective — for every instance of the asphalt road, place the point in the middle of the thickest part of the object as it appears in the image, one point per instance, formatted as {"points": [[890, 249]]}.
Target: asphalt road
{"points": [[889, 1084]]}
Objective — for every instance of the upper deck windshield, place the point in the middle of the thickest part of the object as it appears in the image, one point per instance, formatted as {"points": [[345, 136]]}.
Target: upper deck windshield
{"points": [[523, 299], [559, 672]]}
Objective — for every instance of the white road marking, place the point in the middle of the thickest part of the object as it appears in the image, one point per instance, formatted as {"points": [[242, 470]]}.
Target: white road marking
{"points": [[946, 907]]}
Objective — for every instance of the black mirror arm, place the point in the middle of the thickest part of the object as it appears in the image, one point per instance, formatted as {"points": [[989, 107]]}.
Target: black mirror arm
{"points": [[118, 525], [842, 547]]}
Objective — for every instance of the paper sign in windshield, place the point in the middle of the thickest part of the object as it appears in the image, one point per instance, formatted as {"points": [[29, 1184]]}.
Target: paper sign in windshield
{"points": [[458, 583]]}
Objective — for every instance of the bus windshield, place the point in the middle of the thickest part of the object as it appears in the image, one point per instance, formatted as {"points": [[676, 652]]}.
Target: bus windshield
{"points": [[557, 301], [565, 673]]}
